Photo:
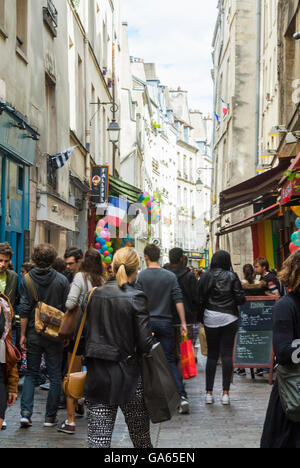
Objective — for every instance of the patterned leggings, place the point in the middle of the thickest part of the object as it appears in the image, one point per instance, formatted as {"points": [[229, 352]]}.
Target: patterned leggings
{"points": [[101, 421]]}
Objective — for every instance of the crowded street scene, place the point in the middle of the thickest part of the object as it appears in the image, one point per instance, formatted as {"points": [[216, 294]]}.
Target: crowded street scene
{"points": [[149, 226]]}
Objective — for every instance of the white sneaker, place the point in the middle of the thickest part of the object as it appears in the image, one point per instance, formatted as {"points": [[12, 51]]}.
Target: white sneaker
{"points": [[184, 407], [225, 400], [209, 399]]}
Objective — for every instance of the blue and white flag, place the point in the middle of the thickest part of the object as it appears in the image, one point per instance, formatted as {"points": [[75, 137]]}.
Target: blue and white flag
{"points": [[217, 117]]}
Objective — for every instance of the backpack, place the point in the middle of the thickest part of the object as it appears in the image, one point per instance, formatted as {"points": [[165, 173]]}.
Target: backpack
{"points": [[48, 319]]}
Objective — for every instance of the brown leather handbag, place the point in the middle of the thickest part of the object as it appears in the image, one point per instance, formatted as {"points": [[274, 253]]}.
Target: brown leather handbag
{"points": [[68, 324], [73, 384], [13, 355]]}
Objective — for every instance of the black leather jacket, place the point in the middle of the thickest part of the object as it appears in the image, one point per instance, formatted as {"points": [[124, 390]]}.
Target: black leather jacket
{"points": [[221, 291], [117, 333]]}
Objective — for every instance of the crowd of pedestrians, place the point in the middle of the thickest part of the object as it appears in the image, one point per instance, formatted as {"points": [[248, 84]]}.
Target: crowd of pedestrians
{"points": [[128, 311]]}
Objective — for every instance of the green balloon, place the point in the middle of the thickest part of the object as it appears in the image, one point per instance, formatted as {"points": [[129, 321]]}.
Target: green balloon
{"points": [[107, 260], [110, 249]]}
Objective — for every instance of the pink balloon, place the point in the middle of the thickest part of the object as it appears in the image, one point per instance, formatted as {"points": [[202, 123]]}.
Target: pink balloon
{"points": [[103, 234], [294, 248], [97, 246], [106, 253]]}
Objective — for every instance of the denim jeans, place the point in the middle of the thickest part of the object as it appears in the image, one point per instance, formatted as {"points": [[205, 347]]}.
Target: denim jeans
{"points": [[164, 334], [36, 346]]}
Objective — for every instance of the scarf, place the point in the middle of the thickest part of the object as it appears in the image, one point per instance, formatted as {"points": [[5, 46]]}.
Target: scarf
{"points": [[5, 326]]}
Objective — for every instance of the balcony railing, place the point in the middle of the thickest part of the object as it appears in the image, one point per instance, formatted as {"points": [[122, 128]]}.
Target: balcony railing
{"points": [[51, 17], [53, 11]]}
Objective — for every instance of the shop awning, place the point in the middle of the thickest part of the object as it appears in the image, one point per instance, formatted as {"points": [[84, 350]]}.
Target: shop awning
{"points": [[120, 188], [252, 189], [262, 215]]}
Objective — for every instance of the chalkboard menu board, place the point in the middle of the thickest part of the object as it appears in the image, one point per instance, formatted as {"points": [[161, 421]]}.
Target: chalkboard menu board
{"points": [[254, 342]]}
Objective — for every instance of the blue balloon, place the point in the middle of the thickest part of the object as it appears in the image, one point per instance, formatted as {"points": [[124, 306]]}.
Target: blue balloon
{"points": [[102, 241], [296, 238], [98, 240], [298, 223]]}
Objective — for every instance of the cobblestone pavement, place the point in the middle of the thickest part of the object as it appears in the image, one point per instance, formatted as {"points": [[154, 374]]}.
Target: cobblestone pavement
{"points": [[237, 426]]}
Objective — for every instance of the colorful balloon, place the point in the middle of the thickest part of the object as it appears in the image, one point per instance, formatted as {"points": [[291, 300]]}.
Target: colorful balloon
{"points": [[296, 210], [293, 248], [297, 223], [98, 246], [107, 260], [296, 238]]}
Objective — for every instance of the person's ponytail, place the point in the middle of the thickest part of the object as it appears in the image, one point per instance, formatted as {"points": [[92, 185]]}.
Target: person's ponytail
{"points": [[126, 262], [121, 276]]}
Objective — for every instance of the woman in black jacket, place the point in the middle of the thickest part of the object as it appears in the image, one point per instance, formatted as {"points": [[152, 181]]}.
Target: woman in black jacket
{"points": [[221, 293], [279, 432], [117, 333]]}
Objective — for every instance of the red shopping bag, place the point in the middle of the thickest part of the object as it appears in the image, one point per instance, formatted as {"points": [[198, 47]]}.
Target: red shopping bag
{"points": [[189, 368]]}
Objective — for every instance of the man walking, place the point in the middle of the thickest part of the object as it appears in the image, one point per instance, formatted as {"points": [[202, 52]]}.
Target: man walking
{"points": [[52, 288], [8, 278], [162, 290], [190, 291]]}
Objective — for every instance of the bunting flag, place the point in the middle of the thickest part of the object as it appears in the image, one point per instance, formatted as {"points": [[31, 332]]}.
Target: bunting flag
{"points": [[217, 117], [59, 160], [224, 107]]}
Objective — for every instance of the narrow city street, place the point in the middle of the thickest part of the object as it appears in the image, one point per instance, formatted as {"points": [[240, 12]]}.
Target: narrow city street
{"points": [[237, 426]]}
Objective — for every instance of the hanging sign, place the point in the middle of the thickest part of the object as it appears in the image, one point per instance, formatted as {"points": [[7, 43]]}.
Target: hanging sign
{"points": [[99, 184]]}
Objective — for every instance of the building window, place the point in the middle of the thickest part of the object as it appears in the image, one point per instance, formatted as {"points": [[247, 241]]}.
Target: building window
{"points": [[51, 174], [2, 12], [22, 22], [51, 116]]}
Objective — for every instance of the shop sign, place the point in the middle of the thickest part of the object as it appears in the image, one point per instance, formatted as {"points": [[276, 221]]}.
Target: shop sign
{"points": [[99, 184]]}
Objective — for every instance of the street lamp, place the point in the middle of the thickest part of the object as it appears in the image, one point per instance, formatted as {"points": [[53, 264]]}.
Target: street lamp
{"points": [[199, 185], [114, 131]]}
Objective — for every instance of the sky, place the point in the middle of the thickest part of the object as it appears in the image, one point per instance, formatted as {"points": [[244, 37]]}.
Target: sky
{"points": [[177, 36]]}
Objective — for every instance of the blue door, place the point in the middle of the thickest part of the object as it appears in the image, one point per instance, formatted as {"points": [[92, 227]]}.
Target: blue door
{"points": [[14, 206]]}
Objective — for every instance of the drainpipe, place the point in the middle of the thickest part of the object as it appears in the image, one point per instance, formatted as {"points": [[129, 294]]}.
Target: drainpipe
{"points": [[258, 82], [87, 108]]}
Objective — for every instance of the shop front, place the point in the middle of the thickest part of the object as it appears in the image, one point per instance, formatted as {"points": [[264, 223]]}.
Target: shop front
{"points": [[55, 218], [273, 221], [17, 155], [111, 210], [197, 259]]}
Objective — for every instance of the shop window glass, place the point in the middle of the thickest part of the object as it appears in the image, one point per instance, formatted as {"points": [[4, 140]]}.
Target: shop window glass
{"points": [[13, 181], [21, 178]]}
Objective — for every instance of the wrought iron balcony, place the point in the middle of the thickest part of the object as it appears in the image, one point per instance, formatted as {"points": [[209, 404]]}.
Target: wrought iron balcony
{"points": [[51, 17]]}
